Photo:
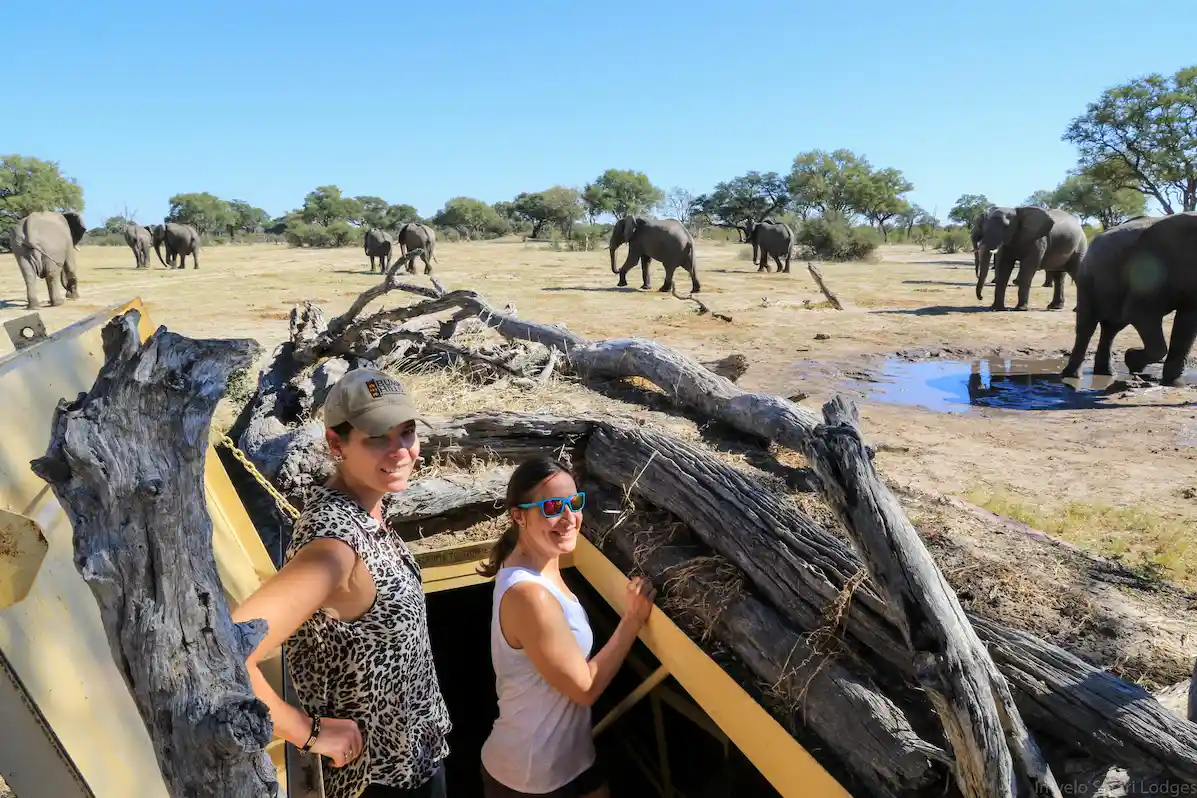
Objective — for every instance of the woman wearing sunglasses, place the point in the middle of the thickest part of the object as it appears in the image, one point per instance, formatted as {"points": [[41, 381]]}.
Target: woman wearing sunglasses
{"points": [[541, 642]]}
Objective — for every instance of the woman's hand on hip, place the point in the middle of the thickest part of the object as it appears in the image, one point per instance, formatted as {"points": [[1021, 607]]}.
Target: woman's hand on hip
{"points": [[340, 740]]}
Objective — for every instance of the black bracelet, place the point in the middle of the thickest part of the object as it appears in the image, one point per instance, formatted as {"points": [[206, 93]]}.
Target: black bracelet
{"points": [[313, 735]]}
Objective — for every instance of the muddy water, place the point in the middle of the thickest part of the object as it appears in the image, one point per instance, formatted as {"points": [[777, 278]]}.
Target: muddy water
{"points": [[1008, 384]]}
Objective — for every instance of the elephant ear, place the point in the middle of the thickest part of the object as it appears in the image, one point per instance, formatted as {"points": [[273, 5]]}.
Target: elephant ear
{"points": [[1033, 223], [75, 222], [630, 225]]}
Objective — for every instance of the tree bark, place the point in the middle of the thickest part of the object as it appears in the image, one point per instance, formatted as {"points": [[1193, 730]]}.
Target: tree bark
{"points": [[992, 746], [852, 717], [126, 461], [802, 569]]}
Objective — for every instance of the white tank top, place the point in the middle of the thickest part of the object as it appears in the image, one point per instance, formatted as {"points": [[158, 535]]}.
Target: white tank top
{"points": [[541, 739]]}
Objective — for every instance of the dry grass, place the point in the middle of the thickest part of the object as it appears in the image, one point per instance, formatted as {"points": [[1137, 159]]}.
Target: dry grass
{"points": [[795, 343], [1140, 538]]}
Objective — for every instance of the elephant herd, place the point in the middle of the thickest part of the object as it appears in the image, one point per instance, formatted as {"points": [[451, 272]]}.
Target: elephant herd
{"points": [[668, 241], [1133, 274], [413, 235]]}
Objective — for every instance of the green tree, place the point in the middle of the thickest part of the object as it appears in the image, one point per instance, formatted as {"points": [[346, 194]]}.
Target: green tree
{"points": [[1042, 198], [558, 206], [828, 182], [968, 207], [30, 184], [115, 224], [742, 202], [1147, 126], [203, 211], [399, 215], [1096, 194], [621, 192], [473, 217], [324, 205], [247, 218], [878, 196], [373, 212]]}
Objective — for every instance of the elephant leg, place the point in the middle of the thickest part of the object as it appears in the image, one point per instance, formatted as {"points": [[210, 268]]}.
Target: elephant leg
{"points": [[195, 258], [371, 257], [1056, 280], [1184, 331], [70, 277], [1150, 327], [644, 261], [1026, 275], [31, 279], [1005, 266], [54, 283], [427, 262], [633, 257], [670, 267], [787, 259], [1086, 323], [1102, 363]]}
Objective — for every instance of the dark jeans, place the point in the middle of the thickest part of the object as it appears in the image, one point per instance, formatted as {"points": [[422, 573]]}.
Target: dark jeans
{"points": [[586, 783], [433, 788]]}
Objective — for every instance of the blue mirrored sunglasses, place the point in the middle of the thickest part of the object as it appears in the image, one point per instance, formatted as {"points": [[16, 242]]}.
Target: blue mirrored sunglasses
{"points": [[551, 508]]}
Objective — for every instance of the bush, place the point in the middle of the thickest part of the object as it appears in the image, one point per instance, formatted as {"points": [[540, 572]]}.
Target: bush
{"points": [[955, 240], [835, 240]]}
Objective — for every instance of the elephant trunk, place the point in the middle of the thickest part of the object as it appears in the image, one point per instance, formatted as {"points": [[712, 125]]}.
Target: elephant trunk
{"points": [[158, 252], [983, 254], [613, 245]]}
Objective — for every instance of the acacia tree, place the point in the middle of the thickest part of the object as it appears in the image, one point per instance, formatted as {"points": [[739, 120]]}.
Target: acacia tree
{"points": [[878, 196], [1148, 127], [559, 206], [828, 182], [742, 202]]}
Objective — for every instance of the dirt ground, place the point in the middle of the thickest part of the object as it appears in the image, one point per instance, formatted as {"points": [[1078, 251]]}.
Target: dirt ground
{"points": [[1111, 472]]}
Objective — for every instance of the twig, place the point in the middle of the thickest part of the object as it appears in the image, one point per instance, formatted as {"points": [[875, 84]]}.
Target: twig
{"points": [[702, 308]]}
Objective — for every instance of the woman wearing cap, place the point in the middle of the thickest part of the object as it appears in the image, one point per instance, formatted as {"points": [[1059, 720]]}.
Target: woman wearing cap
{"points": [[540, 643], [348, 604]]}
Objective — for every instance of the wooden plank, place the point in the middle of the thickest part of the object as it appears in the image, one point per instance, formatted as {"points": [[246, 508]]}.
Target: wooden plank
{"points": [[776, 754]]}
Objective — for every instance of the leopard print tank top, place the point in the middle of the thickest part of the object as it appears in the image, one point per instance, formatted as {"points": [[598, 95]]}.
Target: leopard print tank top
{"points": [[377, 669]]}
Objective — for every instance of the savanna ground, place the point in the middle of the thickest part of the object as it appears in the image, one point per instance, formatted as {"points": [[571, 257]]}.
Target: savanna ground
{"points": [[1116, 479]]}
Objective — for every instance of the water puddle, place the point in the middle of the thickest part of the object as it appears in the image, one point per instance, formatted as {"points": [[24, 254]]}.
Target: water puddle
{"points": [[1007, 384]]}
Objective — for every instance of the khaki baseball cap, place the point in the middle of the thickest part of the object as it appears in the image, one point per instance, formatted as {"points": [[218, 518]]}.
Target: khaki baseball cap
{"points": [[371, 400]]}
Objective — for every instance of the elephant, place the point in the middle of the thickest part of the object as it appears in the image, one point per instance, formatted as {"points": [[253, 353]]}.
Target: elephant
{"points": [[1037, 238], [1135, 274], [771, 238], [378, 244], [180, 239], [666, 240], [415, 235], [46, 246], [1049, 278], [139, 240]]}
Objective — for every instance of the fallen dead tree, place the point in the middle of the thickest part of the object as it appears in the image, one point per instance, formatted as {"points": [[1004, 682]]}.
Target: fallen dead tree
{"points": [[965, 683], [126, 462]]}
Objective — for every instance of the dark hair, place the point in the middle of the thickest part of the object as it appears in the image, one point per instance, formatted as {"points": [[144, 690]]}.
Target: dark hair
{"points": [[524, 479]]}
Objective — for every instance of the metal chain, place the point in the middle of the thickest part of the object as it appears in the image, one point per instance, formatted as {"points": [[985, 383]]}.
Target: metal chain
{"points": [[281, 500]]}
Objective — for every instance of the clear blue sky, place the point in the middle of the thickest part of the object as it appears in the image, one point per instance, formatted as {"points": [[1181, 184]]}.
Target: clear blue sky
{"points": [[421, 102]]}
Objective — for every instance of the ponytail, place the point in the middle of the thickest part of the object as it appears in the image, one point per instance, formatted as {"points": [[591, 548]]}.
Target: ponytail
{"points": [[500, 551], [523, 481]]}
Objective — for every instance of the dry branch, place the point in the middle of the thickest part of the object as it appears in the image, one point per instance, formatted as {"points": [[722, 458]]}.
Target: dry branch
{"points": [[818, 277], [953, 667], [126, 461]]}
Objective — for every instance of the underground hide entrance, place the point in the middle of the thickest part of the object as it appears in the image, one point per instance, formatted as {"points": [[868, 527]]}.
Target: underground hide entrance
{"points": [[663, 727]]}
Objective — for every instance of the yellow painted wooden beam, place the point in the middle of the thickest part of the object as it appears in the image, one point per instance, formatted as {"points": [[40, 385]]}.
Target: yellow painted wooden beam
{"points": [[631, 699], [788, 767]]}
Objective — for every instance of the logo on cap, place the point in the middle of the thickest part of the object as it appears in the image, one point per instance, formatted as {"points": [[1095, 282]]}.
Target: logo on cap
{"points": [[379, 386]]}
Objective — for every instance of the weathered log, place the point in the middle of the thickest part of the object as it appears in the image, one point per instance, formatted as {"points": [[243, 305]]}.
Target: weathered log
{"points": [[992, 746], [433, 497], [126, 462], [801, 569], [853, 719]]}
